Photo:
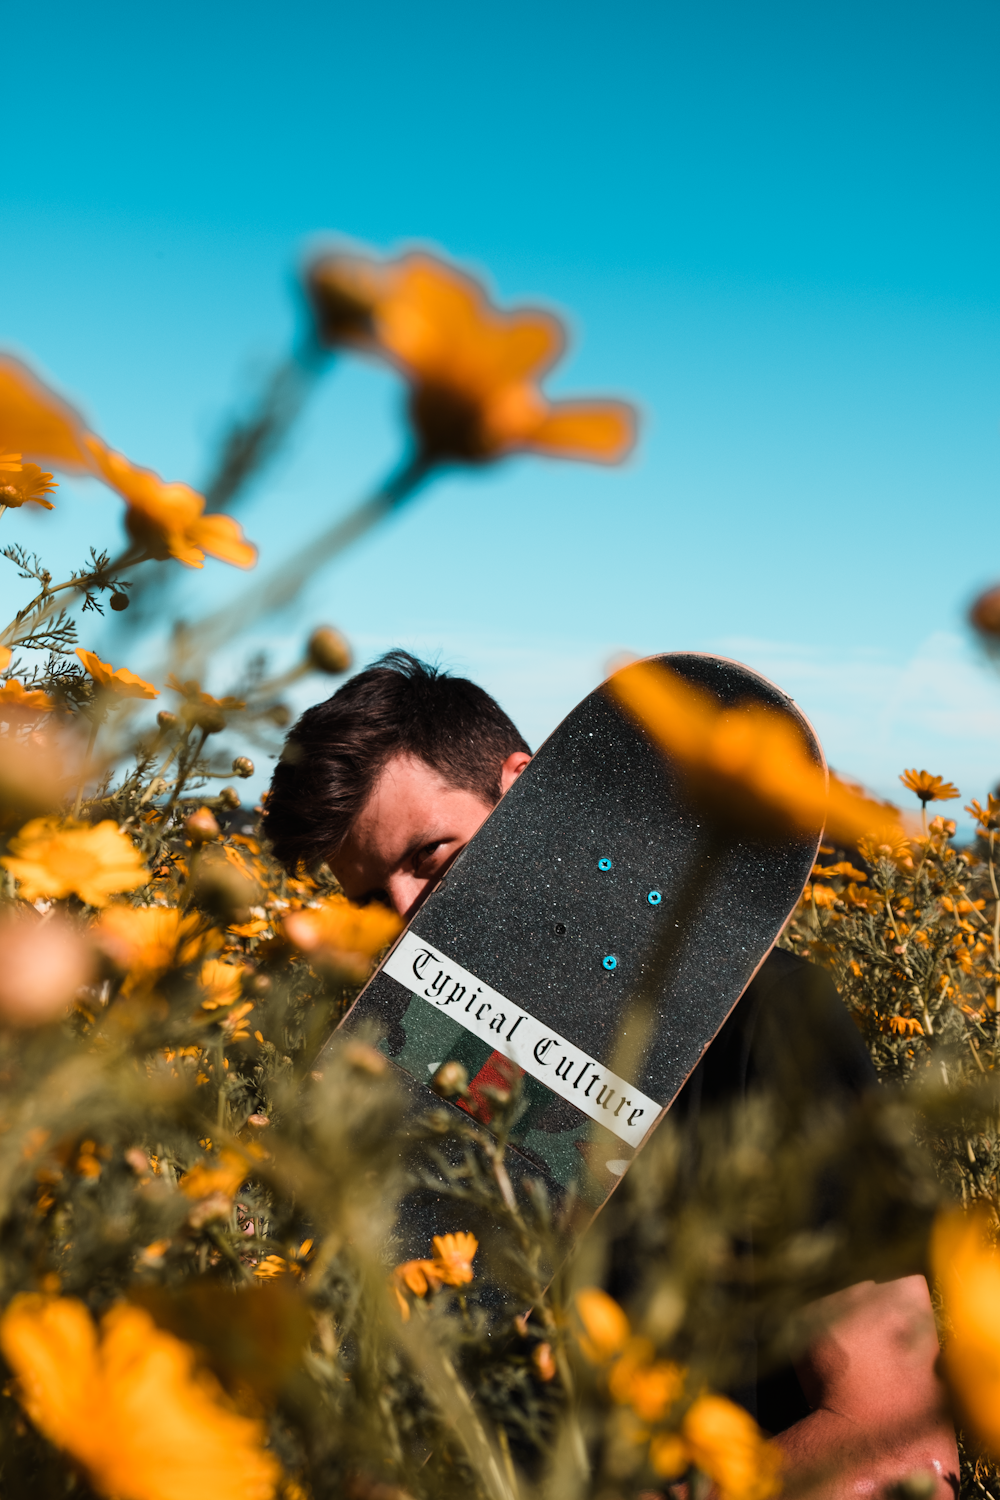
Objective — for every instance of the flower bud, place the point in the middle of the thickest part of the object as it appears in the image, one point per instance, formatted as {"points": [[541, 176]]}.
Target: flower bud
{"points": [[229, 797], [243, 766], [119, 602], [166, 719], [365, 1058], [329, 651], [258, 1121], [201, 826], [985, 613], [260, 984], [450, 1078], [280, 714]]}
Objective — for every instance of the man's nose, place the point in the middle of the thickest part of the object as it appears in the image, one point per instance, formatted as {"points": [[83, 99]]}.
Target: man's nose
{"points": [[406, 893]]}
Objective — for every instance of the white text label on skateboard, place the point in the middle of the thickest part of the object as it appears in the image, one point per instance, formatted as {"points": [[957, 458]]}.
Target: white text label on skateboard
{"points": [[506, 1028]]}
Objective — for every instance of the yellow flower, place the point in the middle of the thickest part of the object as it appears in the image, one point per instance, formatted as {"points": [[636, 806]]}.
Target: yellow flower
{"points": [[22, 701], [967, 1268], [221, 983], [146, 941], [128, 1404], [725, 1443], [168, 520], [905, 1025], [165, 519], [474, 370], [987, 817], [225, 1177], [122, 683], [749, 763], [201, 709], [451, 1266], [52, 859], [453, 1257], [929, 788], [341, 936], [235, 1024], [650, 1387], [24, 484], [606, 1326], [269, 1267]]}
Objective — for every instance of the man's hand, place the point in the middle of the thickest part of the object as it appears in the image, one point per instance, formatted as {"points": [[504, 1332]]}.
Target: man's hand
{"points": [[880, 1409]]}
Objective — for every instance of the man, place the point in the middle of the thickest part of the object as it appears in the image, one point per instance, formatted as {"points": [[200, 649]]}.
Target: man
{"points": [[386, 782]]}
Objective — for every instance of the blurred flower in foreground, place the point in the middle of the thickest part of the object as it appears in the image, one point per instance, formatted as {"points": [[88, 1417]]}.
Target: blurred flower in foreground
{"points": [[606, 1326], [450, 1266], [342, 937], [714, 1434], [129, 1406], [23, 484], [21, 701], [122, 683], [225, 1177], [724, 1442], [474, 370], [167, 520], [51, 858], [966, 1266], [929, 788], [749, 763], [145, 941], [45, 961]]}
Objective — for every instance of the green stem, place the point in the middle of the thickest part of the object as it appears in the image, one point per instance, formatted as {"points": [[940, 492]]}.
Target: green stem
{"points": [[285, 582], [94, 727]]}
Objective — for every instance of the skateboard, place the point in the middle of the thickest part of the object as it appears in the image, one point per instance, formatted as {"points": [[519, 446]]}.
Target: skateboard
{"points": [[595, 882]]}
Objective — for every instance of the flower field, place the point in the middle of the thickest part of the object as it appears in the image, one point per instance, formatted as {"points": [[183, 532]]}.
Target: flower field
{"points": [[199, 1294]]}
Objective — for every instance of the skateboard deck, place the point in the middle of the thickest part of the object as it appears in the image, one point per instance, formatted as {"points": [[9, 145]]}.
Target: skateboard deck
{"points": [[595, 880]]}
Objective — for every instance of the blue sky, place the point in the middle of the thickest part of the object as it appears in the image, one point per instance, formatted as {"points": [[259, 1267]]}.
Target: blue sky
{"points": [[774, 227]]}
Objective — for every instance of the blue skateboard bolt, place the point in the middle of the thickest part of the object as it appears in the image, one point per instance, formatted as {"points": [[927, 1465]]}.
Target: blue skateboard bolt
{"points": [[654, 898], [610, 962], [604, 864]]}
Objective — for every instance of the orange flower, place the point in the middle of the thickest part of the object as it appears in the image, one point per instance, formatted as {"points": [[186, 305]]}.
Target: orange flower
{"points": [[650, 1387], [226, 1177], [929, 788], [128, 1405], [606, 1326], [453, 1257], [146, 941], [474, 370], [967, 1268], [23, 484], [122, 683], [906, 1025], [725, 1443], [341, 936], [451, 1266], [201, 709], [53, 859], [749, 763], [221, 983], [21, 701], [987, 817], [168, 520], [165, 519]]}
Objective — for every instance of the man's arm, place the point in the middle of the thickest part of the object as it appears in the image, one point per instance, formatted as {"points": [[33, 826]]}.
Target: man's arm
{"points": [[880, 1408]]}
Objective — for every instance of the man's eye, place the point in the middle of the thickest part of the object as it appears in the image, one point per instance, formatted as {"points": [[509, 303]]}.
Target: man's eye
{"points": [[427, 853]]}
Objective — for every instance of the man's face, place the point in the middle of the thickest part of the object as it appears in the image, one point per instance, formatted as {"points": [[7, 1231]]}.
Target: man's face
{"points": [[409, 831]]}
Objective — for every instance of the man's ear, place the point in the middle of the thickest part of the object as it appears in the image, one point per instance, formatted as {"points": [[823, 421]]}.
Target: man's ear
{"points": [[512, 768]]}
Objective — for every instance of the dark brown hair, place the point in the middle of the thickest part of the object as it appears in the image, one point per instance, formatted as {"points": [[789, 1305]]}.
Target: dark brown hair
{"points": [[335, 753]]}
